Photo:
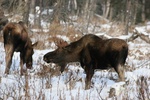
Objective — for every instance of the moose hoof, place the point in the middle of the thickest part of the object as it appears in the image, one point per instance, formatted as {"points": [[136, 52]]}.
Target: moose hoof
{"points": [[87, 87], [6, 72]]}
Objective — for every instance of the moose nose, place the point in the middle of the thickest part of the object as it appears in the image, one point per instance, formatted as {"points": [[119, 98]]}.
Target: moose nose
{"points": [[29, 65]]}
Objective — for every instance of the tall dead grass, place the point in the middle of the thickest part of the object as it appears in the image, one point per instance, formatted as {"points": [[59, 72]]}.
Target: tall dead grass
{"points": [[27, 87]]}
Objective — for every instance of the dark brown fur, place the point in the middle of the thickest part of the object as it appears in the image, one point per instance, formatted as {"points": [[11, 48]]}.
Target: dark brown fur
{"points": [[16, 39], [93, 53]]}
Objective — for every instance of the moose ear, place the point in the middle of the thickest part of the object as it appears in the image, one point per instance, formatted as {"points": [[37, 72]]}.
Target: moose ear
{"points": [[34, 44]]}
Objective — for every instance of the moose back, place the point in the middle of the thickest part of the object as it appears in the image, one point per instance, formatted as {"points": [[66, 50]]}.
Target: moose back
{"points": [[92, 52]]}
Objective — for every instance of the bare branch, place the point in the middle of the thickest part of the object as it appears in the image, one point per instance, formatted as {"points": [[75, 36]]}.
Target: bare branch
{"points": [[142, 36]]}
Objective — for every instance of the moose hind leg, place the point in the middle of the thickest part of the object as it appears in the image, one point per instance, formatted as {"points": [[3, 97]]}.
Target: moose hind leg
{"points": [[8, 64], [121, 72], [8, 58], [21, 64]]}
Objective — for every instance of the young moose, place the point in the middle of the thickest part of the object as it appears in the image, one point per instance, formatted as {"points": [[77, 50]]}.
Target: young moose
{"points": [[93, 53], [16, 39]]}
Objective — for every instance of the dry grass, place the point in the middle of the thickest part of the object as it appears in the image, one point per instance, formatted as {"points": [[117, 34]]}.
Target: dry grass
{"points": [[143, 88], [48, 69], [55, 29], [47, 73], [66, 30]]}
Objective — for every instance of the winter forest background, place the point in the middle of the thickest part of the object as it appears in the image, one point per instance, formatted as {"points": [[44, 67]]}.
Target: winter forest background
{"points": [[128, 12], [69, 20]]}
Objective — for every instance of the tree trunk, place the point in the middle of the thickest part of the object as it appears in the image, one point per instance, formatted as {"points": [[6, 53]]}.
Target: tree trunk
{"points": [[39, 17], [111, 13], [26, 12], [91, 9], [57, 11], [86, 8], [107, 8], [143, 10], [134, 12], [32, 7], [128, 3]]}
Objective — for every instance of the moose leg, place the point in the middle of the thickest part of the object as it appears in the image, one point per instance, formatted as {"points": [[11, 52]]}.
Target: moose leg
{"points": [[88, 67], [62, 69], [21, 64], [120, 70], [89, 74], [8, 57]]}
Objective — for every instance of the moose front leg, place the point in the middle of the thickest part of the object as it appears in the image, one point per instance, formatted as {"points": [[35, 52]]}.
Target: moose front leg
{"points": [[87, 61], [89, 74], [62, 67]]}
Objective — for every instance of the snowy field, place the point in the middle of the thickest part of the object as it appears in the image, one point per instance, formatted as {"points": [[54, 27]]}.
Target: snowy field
{"points": [[44, 82]]}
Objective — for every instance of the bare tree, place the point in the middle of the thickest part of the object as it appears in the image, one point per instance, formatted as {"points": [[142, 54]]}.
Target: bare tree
{"points": [[26, 11], [107, 8], [32, 7], [3, 19], [39, 16], [134, 12], [128, 9], [60, 11], [143, 10]]}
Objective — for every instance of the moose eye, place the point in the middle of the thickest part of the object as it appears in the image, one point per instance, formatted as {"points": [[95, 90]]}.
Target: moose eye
{"points": [[67, 49]]}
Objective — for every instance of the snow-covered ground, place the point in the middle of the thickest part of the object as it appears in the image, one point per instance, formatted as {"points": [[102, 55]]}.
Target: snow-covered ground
{"points": [[70, 84]]}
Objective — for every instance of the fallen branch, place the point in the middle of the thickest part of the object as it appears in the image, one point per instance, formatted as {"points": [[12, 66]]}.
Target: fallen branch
{"points": [[133, 37], [137, 34], [142, 36]]}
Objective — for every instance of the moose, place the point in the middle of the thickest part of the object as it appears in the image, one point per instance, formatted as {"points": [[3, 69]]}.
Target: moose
{"points": [[16, 39], [93, 53]]}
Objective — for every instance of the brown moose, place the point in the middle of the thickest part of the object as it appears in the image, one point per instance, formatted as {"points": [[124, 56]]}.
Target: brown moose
{"points": [[92, 52], [16, 40]]}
